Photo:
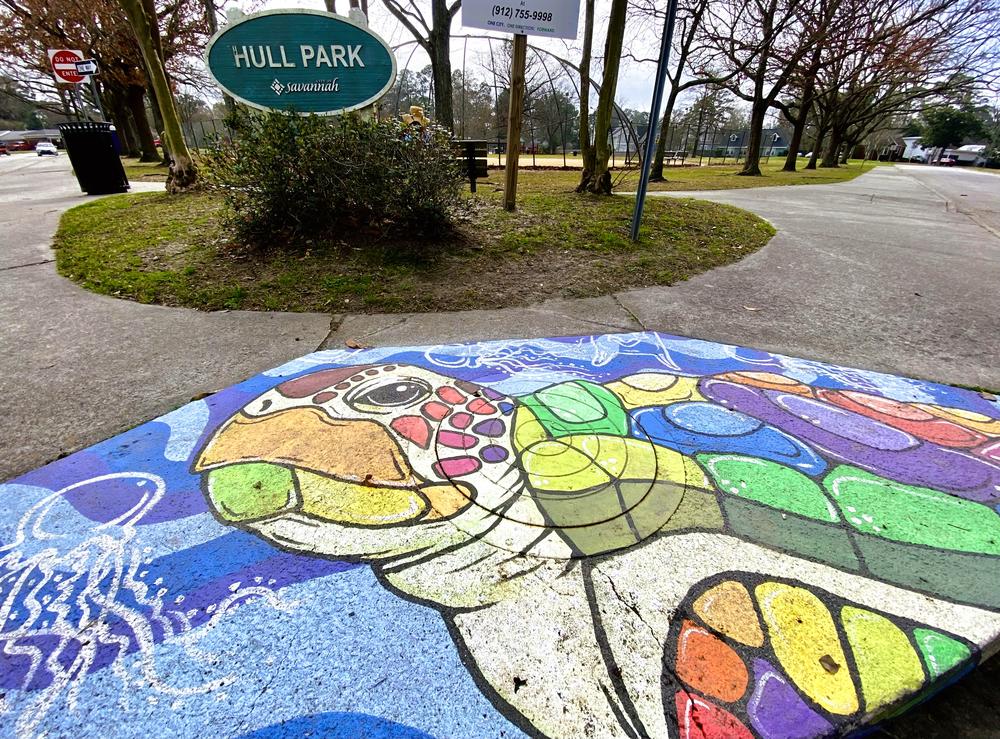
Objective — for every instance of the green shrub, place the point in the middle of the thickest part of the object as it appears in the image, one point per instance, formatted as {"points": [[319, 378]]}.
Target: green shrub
{"points": [[291, 179]]}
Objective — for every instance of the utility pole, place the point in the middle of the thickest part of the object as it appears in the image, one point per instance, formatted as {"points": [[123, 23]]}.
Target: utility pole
{"points": [[514, 111]]}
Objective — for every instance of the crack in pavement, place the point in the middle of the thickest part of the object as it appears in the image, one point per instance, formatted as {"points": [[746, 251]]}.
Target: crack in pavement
{"points": [[667, 670], [585, 320], [949, 203], [29, 264], [336, 321], [620, 304]]}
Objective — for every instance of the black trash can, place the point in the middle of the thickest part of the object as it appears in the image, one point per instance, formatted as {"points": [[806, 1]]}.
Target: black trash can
{"points": [[91, 149]]}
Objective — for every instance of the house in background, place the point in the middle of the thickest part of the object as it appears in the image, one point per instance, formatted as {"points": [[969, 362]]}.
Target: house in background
{"points": [[774, 142], [967, 155], [913, 151]]}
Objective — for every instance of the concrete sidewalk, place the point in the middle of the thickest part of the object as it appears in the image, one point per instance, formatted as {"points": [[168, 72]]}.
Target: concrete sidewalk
{"points": [[882, 272], [79, 367]]}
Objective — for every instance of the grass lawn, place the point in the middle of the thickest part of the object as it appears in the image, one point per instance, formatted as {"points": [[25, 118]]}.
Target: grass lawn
{"points": [[144, 171], [725, 177], [719, 176], [157, 248], [714, 177]]}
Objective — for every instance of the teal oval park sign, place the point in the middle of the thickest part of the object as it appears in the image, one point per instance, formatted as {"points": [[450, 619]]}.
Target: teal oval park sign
{"points": [[302, 60]]}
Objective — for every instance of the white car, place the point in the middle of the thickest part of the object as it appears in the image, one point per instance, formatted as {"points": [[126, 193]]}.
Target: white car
{"points": [[46, 147]]}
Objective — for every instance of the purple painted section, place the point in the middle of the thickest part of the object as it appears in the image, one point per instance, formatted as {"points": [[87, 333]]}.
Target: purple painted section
{"points": [[837, 433], [777, 711], [491, 427], [845, 424]]}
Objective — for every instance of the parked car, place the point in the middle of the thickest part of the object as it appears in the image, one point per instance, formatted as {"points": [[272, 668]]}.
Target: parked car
{"points": [[43, 148], [3, 149]]}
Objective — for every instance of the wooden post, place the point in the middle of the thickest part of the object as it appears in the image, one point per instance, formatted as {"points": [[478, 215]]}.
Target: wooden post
{"points": [[514, 119]]}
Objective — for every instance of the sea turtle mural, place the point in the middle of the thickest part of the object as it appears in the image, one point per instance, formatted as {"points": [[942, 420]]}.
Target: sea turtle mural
{"points": [[522, 517], [612, 536]]}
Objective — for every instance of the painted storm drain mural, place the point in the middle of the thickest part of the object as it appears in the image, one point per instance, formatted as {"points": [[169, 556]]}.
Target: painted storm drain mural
{"points": [[611, 536]]}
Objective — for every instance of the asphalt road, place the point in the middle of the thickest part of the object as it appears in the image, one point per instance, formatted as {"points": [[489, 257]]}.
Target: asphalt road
{"points": [[76, 367], [895, 271]]}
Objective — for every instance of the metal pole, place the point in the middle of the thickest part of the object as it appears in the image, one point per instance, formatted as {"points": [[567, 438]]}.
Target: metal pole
{"points": [[97, 98], [465, 82], [79, 103], [654, 115]]}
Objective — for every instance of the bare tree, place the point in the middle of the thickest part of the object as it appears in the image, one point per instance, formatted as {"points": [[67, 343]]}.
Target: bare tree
{"points": [[103, 32], [434, 37], [586, 148], [183, 173], [907, 53], [760, 44], [686, 69]]}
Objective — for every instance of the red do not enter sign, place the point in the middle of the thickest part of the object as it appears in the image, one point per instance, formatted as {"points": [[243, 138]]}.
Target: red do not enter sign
{"points": [[64, 65]]}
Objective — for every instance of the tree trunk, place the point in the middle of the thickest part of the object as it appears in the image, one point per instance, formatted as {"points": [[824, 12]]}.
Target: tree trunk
{"points": [[135, 99], [798, 130], [67, 111], [805, 108], [183, 172], [600, 178], [656, 174], [331, 6], [831, 156], [751, 165], [113, 99], [440, 53], [814, 157], [154, 106], [586, 148]]}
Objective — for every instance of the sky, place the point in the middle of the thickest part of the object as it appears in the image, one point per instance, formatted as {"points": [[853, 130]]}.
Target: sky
{"points": [[634, 82]]}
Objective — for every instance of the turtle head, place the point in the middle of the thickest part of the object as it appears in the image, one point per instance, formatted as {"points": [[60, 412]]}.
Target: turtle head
{"points": [[373, 447]]}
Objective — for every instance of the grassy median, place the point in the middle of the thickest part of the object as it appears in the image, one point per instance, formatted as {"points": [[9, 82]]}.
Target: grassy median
{"points": [[173, 250]]}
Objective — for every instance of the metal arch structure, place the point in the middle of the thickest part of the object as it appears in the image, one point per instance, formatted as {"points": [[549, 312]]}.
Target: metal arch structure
{"points": [[572, 71]]}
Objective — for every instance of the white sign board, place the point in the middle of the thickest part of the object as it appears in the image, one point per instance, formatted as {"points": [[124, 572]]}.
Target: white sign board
{"points": [[86, 67], [551, 18]]}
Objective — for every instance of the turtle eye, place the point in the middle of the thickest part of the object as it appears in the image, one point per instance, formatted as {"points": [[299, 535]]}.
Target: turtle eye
{"points": [[393, 394]]}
